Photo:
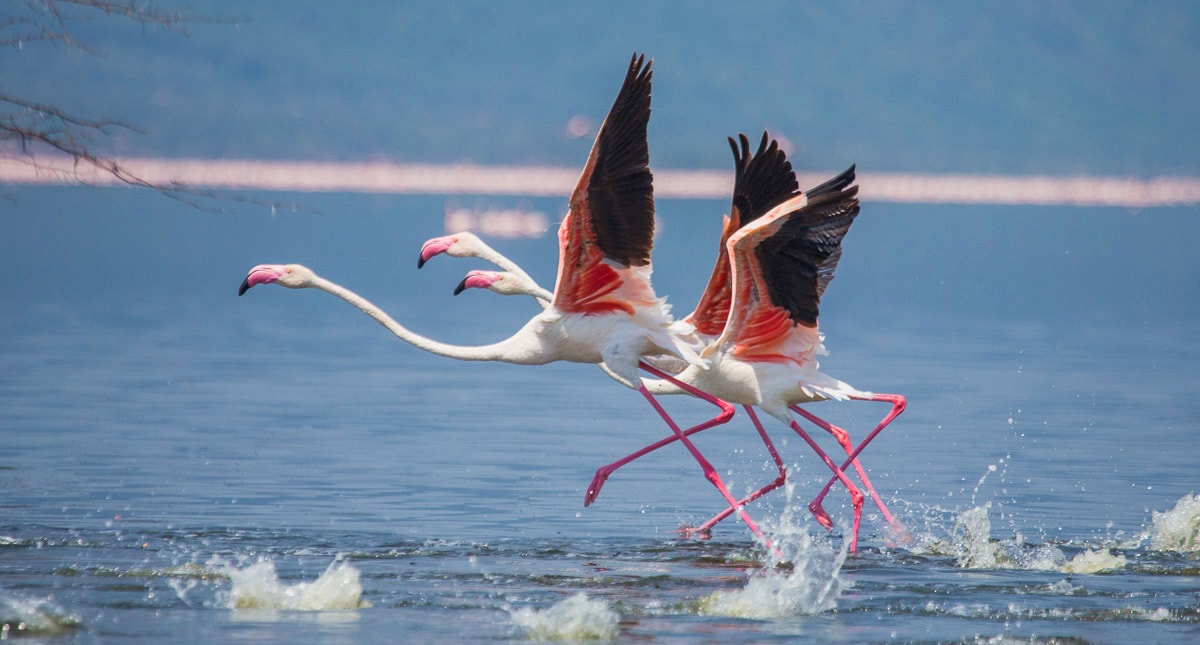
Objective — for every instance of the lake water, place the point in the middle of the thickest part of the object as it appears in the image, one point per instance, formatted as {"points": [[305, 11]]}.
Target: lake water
{"points": [[182, 464]]}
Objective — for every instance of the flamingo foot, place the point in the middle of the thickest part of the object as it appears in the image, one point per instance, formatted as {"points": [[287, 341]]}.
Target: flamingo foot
{"points": [[900, 537], [818, 512], [593, 489], [695, 532]]}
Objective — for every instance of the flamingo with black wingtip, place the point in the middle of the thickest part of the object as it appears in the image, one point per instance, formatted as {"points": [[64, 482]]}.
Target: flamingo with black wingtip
{"points": [[790, 263], [604, 309]]}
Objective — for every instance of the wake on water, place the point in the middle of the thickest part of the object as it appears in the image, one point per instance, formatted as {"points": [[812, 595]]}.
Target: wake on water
{"points": [[575, 619], [798, 577], [1179, 528], [257, 586], [801, 576], [36, 617], [973, 547]]}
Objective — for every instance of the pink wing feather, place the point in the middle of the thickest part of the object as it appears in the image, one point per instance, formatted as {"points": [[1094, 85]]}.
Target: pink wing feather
{"points": [[606, 236], [781, 265]]}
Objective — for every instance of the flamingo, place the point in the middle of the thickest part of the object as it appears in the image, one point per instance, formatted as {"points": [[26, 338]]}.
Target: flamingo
{"points": [[766, 353], [505, 283], [466, 244], [765, 181], [762, 181], [603, 309]]}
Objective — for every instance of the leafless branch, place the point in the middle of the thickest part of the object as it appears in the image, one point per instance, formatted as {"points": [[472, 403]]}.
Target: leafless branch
{"points": [[49, 20], [29, 129]]}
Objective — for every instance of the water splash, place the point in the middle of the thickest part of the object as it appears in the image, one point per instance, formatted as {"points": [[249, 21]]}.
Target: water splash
{"points": [[811, 585], [1179, 528], [1019, 612], [773, 594], [257, 586], [575, 619], [972, 546], [1094, 561], [969, 541], [34, 617]]}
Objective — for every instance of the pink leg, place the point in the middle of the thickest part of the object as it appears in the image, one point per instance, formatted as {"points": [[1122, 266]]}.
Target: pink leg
{"points": [[706, 528], [710, 473], [603, 472], [843, 438], [898, 403], [856, 496]]}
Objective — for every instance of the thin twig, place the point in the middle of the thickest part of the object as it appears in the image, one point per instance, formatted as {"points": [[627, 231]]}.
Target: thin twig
{"points": [[36, 128]]}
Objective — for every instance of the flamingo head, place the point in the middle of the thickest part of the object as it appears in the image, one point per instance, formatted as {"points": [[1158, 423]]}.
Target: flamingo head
{"points": [[458, 245], [292, 276], [501, 282]]}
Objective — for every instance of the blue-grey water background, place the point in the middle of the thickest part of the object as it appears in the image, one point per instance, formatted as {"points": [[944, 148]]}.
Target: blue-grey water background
{"points": [[173, 452]]}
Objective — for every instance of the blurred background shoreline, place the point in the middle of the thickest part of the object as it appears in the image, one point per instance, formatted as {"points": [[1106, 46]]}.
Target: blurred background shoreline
{"points": [[470, 179]]}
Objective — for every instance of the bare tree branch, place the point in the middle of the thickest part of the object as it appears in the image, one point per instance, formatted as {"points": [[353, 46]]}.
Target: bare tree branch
{"points": [[30, 129], [51, 18]]}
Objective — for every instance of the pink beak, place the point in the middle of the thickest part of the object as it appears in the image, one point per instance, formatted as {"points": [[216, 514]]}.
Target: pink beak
{"points": [[432, 247], [476, 280], [261, 274]]}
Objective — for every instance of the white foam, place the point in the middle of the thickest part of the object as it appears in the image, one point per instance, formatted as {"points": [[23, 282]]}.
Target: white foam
{"points": [[1064, 588], [1179, 528], [772, 594], [811, 586], [21, 616], [575, 619], [972, 546], [257, 586], [1157, 615], [1094, 562]]}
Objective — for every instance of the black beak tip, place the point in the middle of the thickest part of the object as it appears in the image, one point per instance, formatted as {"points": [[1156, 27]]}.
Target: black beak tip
{"points": [[245, 285], [420, 261], [462, 286]]}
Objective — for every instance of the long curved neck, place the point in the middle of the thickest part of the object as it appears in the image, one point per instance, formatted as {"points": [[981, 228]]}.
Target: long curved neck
{"points": [[514, 349], [536, 291], [487, 253]]}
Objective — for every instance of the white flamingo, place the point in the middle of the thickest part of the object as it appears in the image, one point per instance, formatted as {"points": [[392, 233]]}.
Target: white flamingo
{"points": [[604, 309], [800, 259]]}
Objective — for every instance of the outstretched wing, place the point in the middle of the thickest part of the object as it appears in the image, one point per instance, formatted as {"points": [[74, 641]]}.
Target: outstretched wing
{"points": [[761, 182], [781, 266], [606, 236]]}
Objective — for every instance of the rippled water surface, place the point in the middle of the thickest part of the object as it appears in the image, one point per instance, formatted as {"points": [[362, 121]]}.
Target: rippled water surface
{"points": [[278, 468], [210, 482]]}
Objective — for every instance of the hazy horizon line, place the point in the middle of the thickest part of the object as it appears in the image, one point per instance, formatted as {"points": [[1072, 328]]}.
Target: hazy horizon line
{"points": [[549, 181]]}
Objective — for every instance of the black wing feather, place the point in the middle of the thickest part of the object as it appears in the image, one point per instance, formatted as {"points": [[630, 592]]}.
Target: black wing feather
{"points": [[835, 184], [620, 190], [761, 181], [798, 261]]}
